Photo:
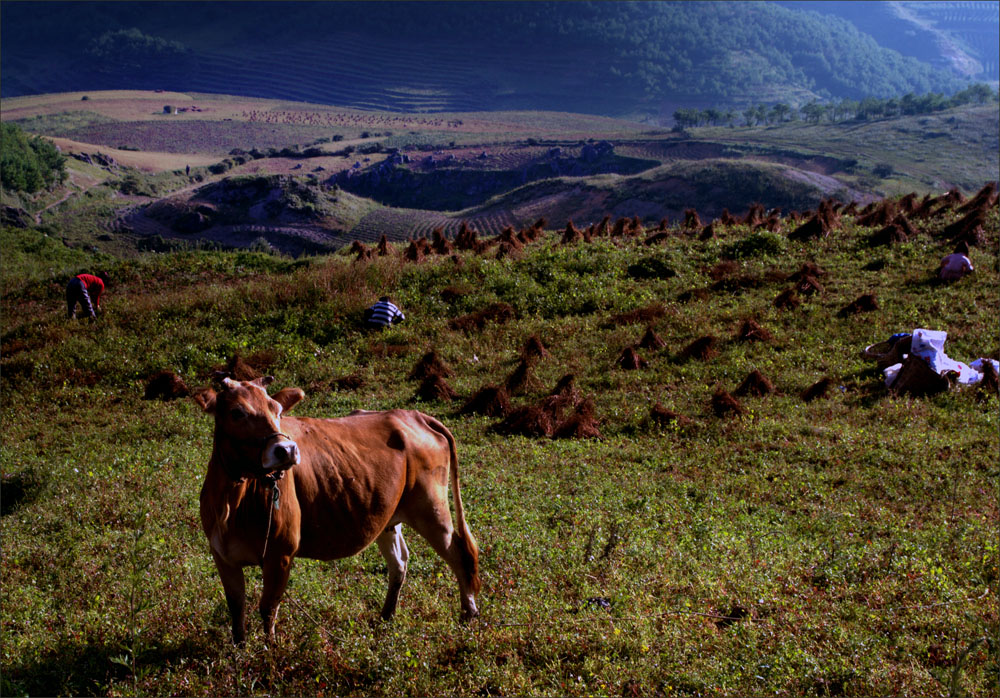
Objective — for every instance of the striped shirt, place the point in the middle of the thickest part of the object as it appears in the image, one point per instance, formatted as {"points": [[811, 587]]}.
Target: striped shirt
{"points": [[384, 314]]}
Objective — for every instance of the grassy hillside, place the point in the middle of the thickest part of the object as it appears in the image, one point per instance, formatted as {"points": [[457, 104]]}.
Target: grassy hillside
{"points": [[954, 148], [844, 545]]}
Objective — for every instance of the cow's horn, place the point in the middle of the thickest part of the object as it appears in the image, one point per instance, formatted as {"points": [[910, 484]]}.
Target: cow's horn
{"points": [[264, 381]]}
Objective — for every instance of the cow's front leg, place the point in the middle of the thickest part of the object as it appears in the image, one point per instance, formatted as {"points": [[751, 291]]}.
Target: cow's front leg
{"points": [[276, 569], [234, 585]]}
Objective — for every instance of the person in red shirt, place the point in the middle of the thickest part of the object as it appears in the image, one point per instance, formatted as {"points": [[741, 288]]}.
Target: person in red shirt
{"points": [[85, 289]]}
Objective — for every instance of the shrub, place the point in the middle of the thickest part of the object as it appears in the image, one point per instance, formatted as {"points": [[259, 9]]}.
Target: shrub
{"points": [[261, 244], [759, 244], [135, 185], [650, 268], [29, 164]]}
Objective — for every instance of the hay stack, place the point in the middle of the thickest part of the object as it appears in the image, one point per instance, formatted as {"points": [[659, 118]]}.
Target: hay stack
{"points": [[165, 385], [533, 349], [651, 340], [755, 215], [817, 390], [416, 251], [490, 400], [750, 331], [530, 420], [351, 381], [521, 379], [702, 349], [630, 360], [660, 416], [787, 300], [467, 238], [430, 364], [498, 313], [917, 378], [441, 244], [724, 404], [435, 388], [572, 234], [812, 229], [581, 425], [691, 220], [755, 384], [865, 303]]}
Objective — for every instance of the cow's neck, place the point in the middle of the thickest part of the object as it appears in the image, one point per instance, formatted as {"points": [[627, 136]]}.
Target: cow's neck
{"points": [[229, 460]]}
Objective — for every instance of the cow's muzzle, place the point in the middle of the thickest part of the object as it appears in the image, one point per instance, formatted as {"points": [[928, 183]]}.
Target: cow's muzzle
{"points": [[279, 453]]}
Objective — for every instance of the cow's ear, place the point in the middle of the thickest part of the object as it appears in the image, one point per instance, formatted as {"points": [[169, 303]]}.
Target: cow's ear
{"points": [[288, 397], [206, 400]]}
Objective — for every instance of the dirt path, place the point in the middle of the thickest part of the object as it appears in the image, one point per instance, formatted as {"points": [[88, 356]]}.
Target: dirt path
{"points": [[65, 197]]}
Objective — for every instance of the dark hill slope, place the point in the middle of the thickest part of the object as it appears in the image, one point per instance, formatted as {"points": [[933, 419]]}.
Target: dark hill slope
{"points": [[607, 58]]}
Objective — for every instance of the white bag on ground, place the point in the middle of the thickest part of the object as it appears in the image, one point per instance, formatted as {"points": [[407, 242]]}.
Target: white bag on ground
{"points": [[929, 346]]}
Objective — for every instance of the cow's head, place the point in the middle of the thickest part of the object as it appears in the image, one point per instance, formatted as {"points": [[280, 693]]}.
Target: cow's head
{"points": [[248, 426]]}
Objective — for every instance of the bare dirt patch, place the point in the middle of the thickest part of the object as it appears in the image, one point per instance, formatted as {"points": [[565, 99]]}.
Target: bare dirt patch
{"points": [[145, 161]]}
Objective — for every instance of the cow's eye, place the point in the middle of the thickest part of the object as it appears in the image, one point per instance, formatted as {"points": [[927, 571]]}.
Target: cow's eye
{"points": [[237, 413]]}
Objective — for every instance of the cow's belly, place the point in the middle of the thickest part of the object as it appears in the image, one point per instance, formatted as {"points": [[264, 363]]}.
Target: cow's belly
{"points": [[343, 520], [335, 536]]}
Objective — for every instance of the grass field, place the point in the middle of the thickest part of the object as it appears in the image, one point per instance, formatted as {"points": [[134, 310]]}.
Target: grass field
{"points": [[841, 546]]}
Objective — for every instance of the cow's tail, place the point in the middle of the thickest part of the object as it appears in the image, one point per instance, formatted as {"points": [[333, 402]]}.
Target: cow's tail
{"points": [[468, 546]]}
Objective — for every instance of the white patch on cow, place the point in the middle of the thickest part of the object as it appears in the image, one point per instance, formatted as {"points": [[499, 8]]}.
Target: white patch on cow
{"points": [[396, 555], [394, 550], [283, 453], [470, 605]]}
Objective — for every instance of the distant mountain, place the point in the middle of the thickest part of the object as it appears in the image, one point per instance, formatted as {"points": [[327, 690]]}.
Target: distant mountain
{"points": [[602, 58], [962, 37]]}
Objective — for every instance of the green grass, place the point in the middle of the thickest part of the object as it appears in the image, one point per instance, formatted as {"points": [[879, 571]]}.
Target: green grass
{"points": [[957, 147], [853, 537]]}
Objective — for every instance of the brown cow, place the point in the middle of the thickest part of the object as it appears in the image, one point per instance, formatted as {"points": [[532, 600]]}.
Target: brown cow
{"points": [[281, 487]]}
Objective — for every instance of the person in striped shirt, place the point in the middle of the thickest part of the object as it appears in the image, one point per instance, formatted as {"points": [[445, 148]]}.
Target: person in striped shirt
{"points": [[383, 314]]}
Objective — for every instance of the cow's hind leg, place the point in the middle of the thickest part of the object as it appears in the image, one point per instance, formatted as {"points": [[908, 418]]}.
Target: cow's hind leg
{"points": [[234, 585], [276, 570], [461, 555], [393, 549]]}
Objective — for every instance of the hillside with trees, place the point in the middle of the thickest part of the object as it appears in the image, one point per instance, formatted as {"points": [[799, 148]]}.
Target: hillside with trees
{"points": [[599, 58], [29, 163]]}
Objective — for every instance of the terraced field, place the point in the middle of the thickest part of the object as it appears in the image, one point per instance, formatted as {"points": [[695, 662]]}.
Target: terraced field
{"points": [[974, 25]]}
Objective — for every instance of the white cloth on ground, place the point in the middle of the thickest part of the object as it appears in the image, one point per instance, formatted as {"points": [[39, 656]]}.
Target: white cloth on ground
{"points": [[929, 346]]}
